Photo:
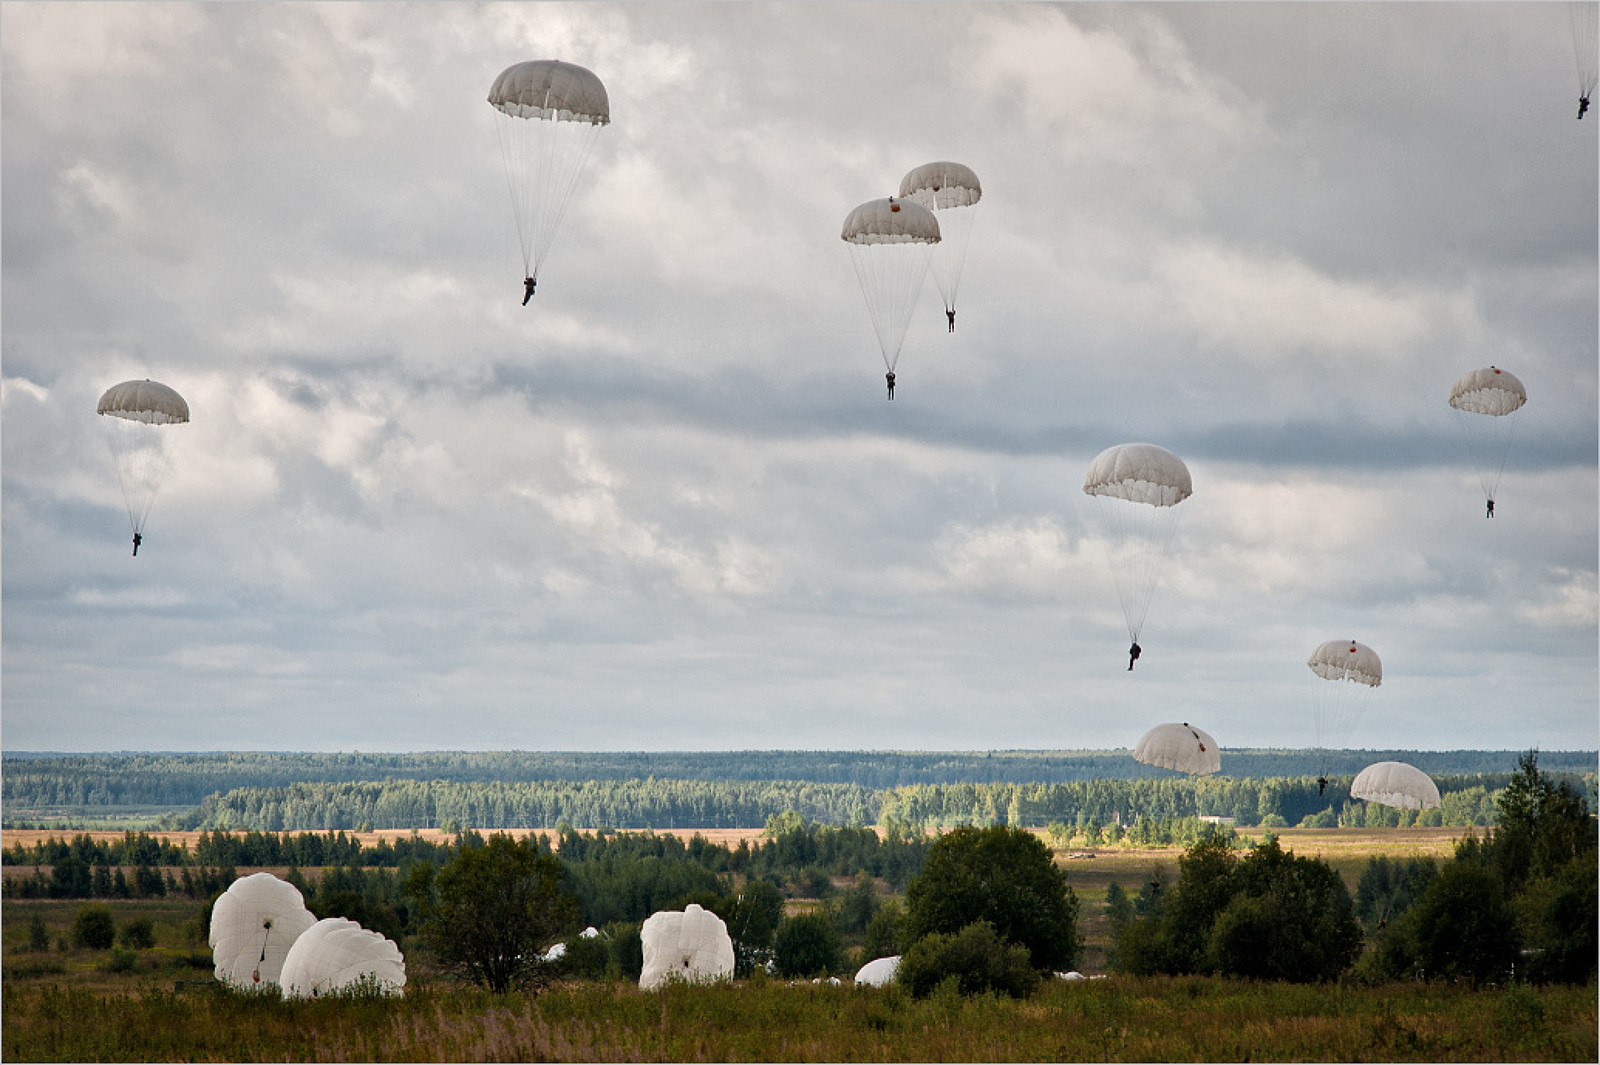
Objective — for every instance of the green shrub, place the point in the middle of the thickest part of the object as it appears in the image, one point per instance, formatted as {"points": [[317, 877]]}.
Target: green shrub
{"points": [[1004, 876], [94, 927], [976, 959], [139, 934], [121, 960], [806, 945]]}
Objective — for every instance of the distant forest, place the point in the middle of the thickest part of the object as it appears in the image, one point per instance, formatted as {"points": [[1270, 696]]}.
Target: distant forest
{"points": [[286, 791]]}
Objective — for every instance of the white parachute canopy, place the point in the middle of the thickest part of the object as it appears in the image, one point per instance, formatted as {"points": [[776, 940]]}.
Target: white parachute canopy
{"points": [[1396, 784], [879, 972], [137, 416], [253, 925], [1141, 486], [890, 241], [1484, 401], [550, 113], [692, 944], [1345, 673], [952, 191], [337, 955], [1179, 746]]}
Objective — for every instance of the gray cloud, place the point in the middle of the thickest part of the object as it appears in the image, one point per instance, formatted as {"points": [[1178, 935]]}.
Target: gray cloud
{"points": [[411, 513]]}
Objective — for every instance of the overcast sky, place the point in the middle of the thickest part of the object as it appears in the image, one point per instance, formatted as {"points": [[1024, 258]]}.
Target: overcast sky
{"points": [[666, 504]]}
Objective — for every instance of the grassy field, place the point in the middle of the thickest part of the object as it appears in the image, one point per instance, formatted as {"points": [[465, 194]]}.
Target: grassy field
{"points": [[73, 1004], [1117, 1019]]}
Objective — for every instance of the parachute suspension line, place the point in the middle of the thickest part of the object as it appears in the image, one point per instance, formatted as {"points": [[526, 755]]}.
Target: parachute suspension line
{"points": [[543, 160], [1585, 19], [890, 291], [1144, 540], [141, 463], [1489, 444]]}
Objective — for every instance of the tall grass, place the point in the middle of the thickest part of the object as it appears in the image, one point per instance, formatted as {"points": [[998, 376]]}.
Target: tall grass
{"points": [[1118, 1019]]}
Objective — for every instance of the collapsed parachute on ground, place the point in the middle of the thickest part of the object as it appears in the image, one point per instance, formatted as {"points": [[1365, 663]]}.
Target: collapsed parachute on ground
{"points": [[1141, 486], [1179, 746], [1484, 401], [253, 926], [336, 955], [890, 241], [1345, 673], [692, 944], [879, 972], [137, 416], [951, 191], [1396, 784], [550, 114]]}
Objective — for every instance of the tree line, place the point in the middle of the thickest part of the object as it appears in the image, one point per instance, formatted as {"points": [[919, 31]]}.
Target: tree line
{"points": [[45, 781], [682, 805]]}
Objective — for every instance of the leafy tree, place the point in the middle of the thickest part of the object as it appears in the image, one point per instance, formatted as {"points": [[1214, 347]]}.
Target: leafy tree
{"points": [[806, 945], [1001, 875], [977, 958], [1389, 886], [884, 935], [38, 934], [94, 927], [1462, 928], [499, 906], [627, 949], [1269, 915]]}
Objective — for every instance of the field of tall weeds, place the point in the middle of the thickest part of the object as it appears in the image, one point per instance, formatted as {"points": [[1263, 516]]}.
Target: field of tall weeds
{"points": [[1115, 1019]]}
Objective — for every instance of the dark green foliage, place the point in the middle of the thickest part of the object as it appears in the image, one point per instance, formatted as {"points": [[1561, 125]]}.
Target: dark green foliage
{"points": [[806, 945], [94, 927], [853, 909], [121, 960], [138, 934], [498, 907], [1269, 915], [1001, 875], [1389, 886], [1461, 929], [885, 932], [38, 934], [977, 958], [1521, 901], [585, 958], [627, 949], [1119, 907]]}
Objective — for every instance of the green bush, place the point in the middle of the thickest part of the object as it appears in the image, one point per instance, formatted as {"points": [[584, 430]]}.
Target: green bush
{"points": [[94, 927], [121, 960], [1001, 875], [806, 945], [1269, 915], [976, 959], [138, 934]]}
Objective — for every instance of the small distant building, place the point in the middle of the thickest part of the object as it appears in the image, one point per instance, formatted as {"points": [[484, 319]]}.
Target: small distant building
{"points": [[1216, 819]]}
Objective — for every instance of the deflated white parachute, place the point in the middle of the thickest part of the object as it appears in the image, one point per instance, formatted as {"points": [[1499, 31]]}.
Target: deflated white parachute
{"points": [[692, 944], [137, 416], [253, 925], [552, 113], [890, 241], [1345, 674], [1141, 486], [952, 191], [337, 955], [1396, 784], [1179, 746], [879, 972], [1484, 401]]}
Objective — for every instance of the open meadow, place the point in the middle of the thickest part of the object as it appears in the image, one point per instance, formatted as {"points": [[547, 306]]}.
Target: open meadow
{"points": [[160, 1003]]}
